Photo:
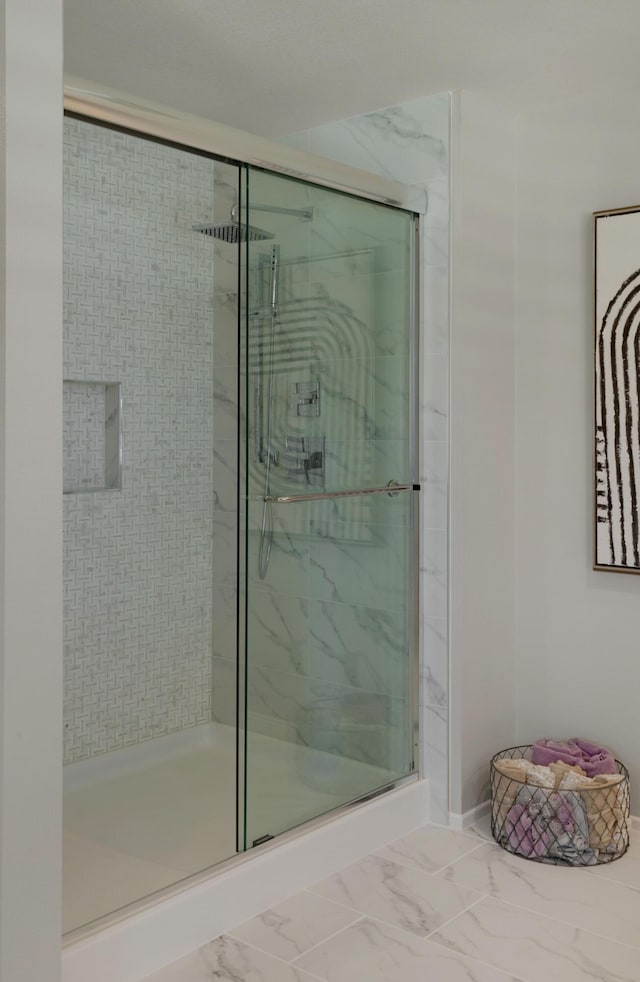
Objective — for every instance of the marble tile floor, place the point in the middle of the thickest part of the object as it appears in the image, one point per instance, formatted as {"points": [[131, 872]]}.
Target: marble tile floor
{"points": [[134, 833], [439, 906]]}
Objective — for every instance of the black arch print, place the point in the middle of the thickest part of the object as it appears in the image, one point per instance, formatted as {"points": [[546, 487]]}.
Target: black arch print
{"points": [[618, 425]]}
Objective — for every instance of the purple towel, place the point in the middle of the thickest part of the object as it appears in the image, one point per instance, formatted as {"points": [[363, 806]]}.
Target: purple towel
{"points": [[525, 835], [577, 753], [546, 824]]}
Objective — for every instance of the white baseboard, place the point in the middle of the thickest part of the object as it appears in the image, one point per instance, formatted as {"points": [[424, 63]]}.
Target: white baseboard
{"points": [[133, 948], [463, 821]]}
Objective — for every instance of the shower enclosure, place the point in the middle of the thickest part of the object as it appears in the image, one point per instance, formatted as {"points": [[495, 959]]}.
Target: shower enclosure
{"points": [[240, 523]]}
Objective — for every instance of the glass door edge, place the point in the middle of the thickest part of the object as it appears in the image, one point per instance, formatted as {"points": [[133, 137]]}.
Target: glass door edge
{"points": [[415, 293]]}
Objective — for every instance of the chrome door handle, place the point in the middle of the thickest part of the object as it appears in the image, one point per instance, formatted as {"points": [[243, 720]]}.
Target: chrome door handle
{"points": [[391, 489]]}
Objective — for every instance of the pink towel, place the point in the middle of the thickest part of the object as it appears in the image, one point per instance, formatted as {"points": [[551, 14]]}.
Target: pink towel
{"points": [[577, 753]]}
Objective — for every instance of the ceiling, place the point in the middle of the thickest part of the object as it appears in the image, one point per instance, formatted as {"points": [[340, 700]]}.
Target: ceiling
{"points": [[278, 66]]}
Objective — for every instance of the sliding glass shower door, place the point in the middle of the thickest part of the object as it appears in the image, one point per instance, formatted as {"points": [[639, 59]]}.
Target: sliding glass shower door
{"points": [[238, 453], [328, 470]]}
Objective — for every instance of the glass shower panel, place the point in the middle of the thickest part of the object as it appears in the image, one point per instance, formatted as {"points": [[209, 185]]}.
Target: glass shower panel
{"points": [[150, 563], [329, 610]]}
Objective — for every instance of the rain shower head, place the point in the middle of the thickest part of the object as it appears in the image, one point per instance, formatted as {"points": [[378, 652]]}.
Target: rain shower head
{"points": [[234, 232]]}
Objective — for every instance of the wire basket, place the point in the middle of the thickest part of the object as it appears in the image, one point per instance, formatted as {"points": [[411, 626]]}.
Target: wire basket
{"points": [[581, 826]]}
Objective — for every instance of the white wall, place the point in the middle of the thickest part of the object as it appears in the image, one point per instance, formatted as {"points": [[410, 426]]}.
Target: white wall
{"points": [[578, 665], [30, 485], [482, 520]]}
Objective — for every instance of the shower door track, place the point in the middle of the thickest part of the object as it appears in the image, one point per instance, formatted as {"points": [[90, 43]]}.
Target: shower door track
{"points": [[98, 103]]}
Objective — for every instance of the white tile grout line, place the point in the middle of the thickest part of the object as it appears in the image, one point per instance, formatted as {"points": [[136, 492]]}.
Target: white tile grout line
{"points": [[274, 907], [560, 920], [435, 828], [358, 916], [546, 917], [472, 958], [335, 934], [419, 937], [407, 863], [478, 900], [454, 862], [578, 871], [593, 871], [413, 869], [602, 870], [403, 930], [261, 951], [291, 896], [381, 920], [479, 833], [353, 910]]}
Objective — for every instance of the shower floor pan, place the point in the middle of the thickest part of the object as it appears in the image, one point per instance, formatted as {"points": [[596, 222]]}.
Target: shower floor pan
{"points": [[139, 820]]}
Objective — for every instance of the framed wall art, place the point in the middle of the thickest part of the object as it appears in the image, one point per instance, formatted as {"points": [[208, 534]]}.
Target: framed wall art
{"points": [[617, 390]]}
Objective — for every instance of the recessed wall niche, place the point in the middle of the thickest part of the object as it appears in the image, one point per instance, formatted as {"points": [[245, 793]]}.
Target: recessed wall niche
{"points": [[92, 436]]}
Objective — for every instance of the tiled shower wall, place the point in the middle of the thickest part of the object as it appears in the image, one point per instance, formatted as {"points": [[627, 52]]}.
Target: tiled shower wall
{"points": [[410, 143], [138, 562]]}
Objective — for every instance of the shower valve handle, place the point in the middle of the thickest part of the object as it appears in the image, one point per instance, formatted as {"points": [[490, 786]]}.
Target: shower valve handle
{"points": [[305, 398], [304, 456]]}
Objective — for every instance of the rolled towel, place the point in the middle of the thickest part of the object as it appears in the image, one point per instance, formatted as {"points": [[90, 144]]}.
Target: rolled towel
{"points": [[523, 770], [569, 777], [607, 819], [576, 752], [604, 802]]}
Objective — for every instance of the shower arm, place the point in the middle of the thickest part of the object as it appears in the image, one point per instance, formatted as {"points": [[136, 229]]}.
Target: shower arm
{"points": [[304, 214]]}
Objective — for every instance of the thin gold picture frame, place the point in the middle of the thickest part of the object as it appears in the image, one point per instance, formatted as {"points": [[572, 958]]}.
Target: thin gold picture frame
{"points": [[616, 456]]}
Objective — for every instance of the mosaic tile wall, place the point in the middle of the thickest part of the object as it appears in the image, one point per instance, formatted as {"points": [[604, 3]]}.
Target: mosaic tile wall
{"points": [[138, 562], [84, 436]]}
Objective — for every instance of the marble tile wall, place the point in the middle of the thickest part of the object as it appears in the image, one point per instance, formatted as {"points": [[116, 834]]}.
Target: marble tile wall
{"points": [[410, 142], [139, 308]]}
